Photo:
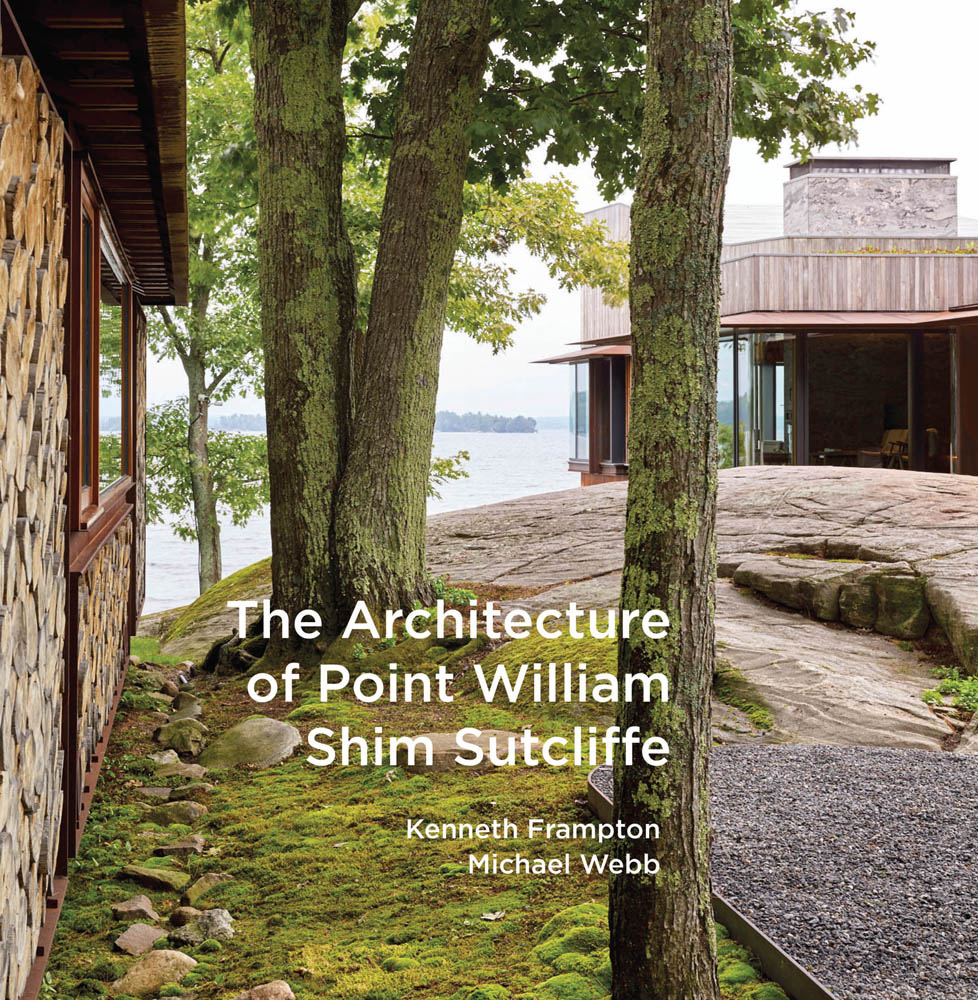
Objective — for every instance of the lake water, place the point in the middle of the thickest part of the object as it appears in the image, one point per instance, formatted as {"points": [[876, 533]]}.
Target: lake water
{"points": [[500, 467]]}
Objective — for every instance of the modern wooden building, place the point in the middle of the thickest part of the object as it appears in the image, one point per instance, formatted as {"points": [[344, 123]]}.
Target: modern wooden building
{"points": [[851, 339], [93, 228]]}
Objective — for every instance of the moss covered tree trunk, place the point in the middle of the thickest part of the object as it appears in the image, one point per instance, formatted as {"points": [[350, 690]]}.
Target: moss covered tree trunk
{"points": [[662, 935], [307, 286], [380, 525]]}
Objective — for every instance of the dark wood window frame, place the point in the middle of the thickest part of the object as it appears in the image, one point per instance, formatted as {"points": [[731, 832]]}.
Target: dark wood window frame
{"points": [[89, 239]]}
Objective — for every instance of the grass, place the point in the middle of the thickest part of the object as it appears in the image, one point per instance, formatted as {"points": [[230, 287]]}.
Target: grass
{"points": [[328, 893], [147, 648]]}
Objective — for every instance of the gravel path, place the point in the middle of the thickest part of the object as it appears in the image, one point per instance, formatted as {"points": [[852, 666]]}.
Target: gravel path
{"points": [[860, 863]]}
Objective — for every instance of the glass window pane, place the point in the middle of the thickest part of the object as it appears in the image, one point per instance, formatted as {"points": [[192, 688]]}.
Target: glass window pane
{"points": [[113, 425], [581, 416], [725, 403], [86, 352], [743, 385]]}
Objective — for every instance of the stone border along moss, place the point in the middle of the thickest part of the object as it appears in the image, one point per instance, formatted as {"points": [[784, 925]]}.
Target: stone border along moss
{"points": [[776, 964]]}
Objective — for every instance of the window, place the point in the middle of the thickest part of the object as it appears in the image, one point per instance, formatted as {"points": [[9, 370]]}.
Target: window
{"points": [[87, 346], [113, 378], [100, 359], [580, 375]]}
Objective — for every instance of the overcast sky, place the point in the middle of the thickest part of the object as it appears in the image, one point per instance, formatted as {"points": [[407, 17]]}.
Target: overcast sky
{"points": [[924, 74]]}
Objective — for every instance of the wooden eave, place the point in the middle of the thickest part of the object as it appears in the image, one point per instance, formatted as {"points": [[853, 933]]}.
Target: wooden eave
{"points": [[116, 71]]}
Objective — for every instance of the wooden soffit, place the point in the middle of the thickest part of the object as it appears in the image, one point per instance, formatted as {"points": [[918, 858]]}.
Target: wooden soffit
{"points": [[837, 321], [608, 351], [116, 70]]}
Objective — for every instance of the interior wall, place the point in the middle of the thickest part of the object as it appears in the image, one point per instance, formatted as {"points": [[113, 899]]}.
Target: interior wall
{"points": [[857, 389]]}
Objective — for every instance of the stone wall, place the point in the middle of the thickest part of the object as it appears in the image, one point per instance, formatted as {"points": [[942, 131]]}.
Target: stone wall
{"points": [[33, 439], [103, 608], [871, 205], [854, 383]]}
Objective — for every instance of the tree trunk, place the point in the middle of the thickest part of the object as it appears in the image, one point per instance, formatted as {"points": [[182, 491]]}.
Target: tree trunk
{"points": [[662, 935], [209, 568], [307, 286], [380, 517]]}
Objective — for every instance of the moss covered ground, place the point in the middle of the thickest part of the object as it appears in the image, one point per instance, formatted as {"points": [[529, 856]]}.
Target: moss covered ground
{"points": [[327, 891]]}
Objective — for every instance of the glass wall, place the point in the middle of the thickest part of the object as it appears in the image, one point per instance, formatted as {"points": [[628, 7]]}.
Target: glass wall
{"points": [[579, 411], [733, 399], [772, 399]]}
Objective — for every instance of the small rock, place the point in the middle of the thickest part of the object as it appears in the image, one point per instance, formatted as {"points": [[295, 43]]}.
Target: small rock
{"points": [[214, 924], [184, 736], [154, 792], [163, 699], [138, 939], [137, 907], [184, 915], [202, 886], [148, 976], [183, 700], [156, 878], [134, 661], [194, 844], [193, 711], [170, 688], [176, 812], [147, 680], [195, 791], [164, 757], [177, 769], [259, 742], [279, 990]]}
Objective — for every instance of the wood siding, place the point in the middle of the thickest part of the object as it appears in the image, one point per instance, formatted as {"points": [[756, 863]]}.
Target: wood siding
{"points": [[848, 283], [600, 321], [33, 407]]}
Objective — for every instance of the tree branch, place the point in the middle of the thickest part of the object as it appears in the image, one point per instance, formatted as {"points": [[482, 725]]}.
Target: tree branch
{"points": [[174, 332]]}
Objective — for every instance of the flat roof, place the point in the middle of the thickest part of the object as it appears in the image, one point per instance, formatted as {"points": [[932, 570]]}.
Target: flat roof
{"points": [[851, 320]]}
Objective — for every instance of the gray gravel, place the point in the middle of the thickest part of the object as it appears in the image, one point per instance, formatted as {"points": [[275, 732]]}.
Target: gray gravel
{"points": [[860, 863]]}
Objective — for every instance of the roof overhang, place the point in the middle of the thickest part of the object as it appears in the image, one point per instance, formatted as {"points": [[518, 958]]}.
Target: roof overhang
{"points": [[116, 71], [851, 320], [609, 351]]}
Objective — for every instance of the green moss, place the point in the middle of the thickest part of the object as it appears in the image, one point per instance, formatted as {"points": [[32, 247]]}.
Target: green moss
{"points": [[108, 971], [582, 915], [575, 939], [766, 991], [240, 586], [398, 963], [737, 973], [313, 848], [491, 992], [569, 986], [732, 688]]}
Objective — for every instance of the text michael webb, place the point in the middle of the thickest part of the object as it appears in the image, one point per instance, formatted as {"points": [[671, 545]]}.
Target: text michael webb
{"points": [[535, 828]]}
